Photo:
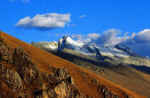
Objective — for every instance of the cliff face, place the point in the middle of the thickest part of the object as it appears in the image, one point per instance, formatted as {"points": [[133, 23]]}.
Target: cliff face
{"points": [[23, 79], [23, 75]]}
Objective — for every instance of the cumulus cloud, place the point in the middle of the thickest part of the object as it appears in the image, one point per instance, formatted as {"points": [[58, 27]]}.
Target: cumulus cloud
{"points": [[139, 42], [85, 38], [143, 36], [44, 21], [109, 37]]}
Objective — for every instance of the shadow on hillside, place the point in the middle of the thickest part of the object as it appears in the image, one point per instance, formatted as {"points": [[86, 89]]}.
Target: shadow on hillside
{"points": [[72, 58], [144, 69]]}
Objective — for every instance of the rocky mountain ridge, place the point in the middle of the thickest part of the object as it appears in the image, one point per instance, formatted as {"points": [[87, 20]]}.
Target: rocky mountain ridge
{"points": [[23, 76], [120, 53], [86, 48], [118, 69]]}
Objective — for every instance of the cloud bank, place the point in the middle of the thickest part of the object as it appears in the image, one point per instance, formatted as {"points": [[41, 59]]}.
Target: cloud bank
{"points": [[109, 37], [139, 42], [44, 21]]}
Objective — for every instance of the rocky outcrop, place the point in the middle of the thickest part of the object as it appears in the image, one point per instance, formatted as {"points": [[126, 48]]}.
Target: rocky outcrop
{"points": [[11, 78], [20, 77], [126, 49], [25, 67]]}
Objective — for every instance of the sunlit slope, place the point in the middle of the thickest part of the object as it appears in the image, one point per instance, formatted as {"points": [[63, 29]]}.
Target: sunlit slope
{"points": [[83, 78]]}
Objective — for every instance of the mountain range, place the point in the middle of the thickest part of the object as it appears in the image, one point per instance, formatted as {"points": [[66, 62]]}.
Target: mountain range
{"points": [[47, 70], [118, 63], [90, 49]]}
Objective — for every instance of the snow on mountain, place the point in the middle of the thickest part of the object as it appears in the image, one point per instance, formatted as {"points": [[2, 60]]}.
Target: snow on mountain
{"points": [[87, 48], [90, 48], [47, 45], [125, 49], [68, 42]]}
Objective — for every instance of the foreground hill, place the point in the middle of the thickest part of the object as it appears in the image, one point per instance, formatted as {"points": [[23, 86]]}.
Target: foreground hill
{"points": [[118, 53], [133, 77], [118, 64], [29, 72]]}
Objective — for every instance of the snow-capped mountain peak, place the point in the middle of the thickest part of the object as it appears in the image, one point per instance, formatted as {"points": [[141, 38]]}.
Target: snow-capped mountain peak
{"points": [[68, 42], [88, 48]]}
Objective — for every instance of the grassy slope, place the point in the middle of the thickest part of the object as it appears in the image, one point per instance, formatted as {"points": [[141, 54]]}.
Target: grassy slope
{"points": [[83, 82], [122, 74]]}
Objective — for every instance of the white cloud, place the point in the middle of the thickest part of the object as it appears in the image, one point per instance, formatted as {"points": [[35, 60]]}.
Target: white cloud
{"points": [[140, 42], [85, 38], [143, 36], [109, 37], [44, 21]]}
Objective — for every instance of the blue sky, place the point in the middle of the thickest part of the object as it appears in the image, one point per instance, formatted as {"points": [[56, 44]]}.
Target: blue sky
{"points": [[86, 16]]}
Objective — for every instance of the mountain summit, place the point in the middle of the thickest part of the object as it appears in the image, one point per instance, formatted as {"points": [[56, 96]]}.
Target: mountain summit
{"points": [[29, 72], [66, 42]]}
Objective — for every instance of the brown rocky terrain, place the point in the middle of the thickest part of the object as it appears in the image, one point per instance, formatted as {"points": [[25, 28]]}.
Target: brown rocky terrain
{"points": [[123, 74], [29, 72]]}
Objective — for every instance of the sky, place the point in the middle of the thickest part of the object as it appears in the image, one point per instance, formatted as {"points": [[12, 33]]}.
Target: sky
{"points": [[48, 20]]}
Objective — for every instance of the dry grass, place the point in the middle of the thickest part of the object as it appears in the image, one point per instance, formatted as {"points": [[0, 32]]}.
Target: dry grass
{"points": [[83, 82]]}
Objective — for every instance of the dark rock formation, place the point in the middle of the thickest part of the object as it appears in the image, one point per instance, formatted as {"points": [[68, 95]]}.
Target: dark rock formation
{"points": [[126, 49], [21, 78]]}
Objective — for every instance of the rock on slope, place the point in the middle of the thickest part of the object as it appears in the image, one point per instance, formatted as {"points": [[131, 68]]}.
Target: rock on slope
{"points": [[28, 72]]}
